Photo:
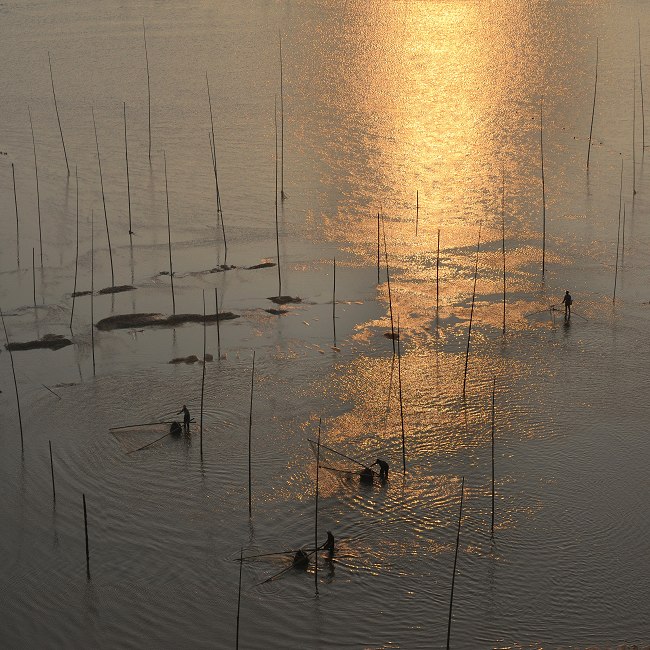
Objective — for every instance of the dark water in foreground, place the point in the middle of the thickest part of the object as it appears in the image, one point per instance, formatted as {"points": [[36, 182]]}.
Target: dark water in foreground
{"points": [[380, 100]]}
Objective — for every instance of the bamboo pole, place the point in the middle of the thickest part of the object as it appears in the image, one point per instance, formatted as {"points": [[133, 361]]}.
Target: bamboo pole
{"points": [[13, 372], [417, 210], [378, 248], [593, 108], [241, 563], [283, 196], [390, 299], [34, 274], [76, 256], [471, 313], [641, 89], [438, 275], [401, 406], [494, 386], [128, 180], [618, 236], [334, 302], [216, 308], [38, 194], [169, 239], [101, 181], [277, 235], [541, 148], [86, 533], [146, 56], [202, 378], [250, 433], [13, 176], [453, 576], [634, 135], [316, 512], [92, 286], [52, 472], [58, 119], [503, 245]]}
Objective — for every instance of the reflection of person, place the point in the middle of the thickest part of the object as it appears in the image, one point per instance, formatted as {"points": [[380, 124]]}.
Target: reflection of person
{"points": [[366, 475], [328, 545], [300, 559], [383, 469], [567, 301], [186, 418]]}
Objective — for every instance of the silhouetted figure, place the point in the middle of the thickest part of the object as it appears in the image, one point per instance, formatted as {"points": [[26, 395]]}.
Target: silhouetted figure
{"points": [[186, 418], [175, 429], [567, 301], [383, 469], [366, 475], [300, 559], [329, 544]]}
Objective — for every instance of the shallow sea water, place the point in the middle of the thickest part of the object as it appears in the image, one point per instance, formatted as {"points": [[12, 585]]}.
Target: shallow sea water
{"points": [[381, 100]]}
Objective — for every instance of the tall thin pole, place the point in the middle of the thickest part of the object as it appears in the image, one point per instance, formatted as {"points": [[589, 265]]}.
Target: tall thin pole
{"points": [[216, 308], [541, 148], [52, 472], [277, 235], [453, 576], [56, 108], [203, 378], [634, 134], [250, 436], [13, 372], [34, 274], [593, 108], [618, 236], [401, 407], [13, 176], [146, 56], [92, 286], [503, 245], [471, 313], [76, 256], [86, 532], [316, 512], [101, 181], [126, 156], [438, 273], [417, 210], [38, 194], [241, 564], [283, 196], [378, 253], [641, 89], [334, 301], [494, 387], [169, 239], [390, 299]]}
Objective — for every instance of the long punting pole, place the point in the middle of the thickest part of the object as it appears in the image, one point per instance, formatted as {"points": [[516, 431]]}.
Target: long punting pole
{"points": [[417, 210], [401, 407], [494, 387], [503, 245], [52, 472], [641, 89], [216, 309], [146, 57], [169, 239], [453, 576], [316, 512], [471, 313], [58, 119], [213, 150], [618, 236], [101, 182], [92, 286], [202, 379], [241, 564], [378, 248], [38, 194], [283, 196], [593, 108], [86, 532], [634, 133], [277, 235], [250, 435], [13, 372], [438, 274], [76, 256], [13, 176], [390, 298], [126, 157], [541, 149], [334, 302], [34, 274]]}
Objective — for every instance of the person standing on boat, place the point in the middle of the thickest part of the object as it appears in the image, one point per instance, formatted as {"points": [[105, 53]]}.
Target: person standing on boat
{"points": [[186, 418], [329, 543], [383, 469], [567, 301]]}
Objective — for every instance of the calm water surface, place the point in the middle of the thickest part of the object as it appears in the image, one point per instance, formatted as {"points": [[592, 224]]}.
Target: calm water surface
{"points": [[427, 112]]}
